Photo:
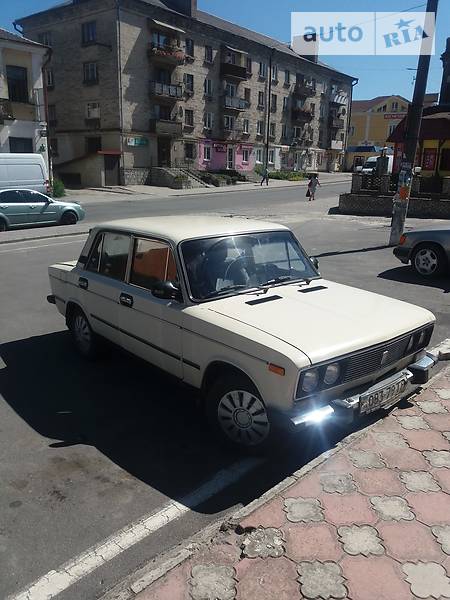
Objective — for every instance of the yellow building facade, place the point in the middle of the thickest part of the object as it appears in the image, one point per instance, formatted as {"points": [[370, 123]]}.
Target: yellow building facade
{"points": [[373, 121]]}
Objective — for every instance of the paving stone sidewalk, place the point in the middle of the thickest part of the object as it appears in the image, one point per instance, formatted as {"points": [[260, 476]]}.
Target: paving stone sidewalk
{"points": [[372, 522]]}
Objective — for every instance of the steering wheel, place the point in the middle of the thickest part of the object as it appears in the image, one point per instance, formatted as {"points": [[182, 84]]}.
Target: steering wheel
{"points": [[242, 257]]}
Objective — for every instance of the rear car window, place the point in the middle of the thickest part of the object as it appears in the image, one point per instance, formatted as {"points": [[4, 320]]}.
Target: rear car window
{"points": [[109, 255], [153, 261]]}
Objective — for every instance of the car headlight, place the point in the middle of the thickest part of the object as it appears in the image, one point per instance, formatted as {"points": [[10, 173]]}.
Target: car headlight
{"points": [[310, 381], [331, 374]]}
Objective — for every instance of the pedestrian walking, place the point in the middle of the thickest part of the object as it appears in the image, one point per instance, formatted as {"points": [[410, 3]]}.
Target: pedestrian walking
{"points": [[312, 186], [265, 177]]}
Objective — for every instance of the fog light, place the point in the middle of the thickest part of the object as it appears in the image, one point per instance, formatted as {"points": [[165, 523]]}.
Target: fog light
{"points": [[310, 381], [332, 374]]}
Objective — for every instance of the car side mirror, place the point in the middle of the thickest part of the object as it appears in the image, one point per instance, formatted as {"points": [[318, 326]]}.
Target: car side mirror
{"points": [[314, 261], [167, 290]]}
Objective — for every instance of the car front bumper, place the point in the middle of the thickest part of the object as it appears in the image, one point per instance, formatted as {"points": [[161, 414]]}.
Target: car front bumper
{"points": [[402, 254], [345, 410]]}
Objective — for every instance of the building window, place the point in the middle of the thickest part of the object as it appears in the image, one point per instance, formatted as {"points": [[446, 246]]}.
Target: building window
{"points": [[287, 77], [275, 73], [313, 108], [320, 136], [249, 65], [88, 32], [297, 132], [392, 128], [351, 131], [260, 128], [49, 78], [272, 130], [394, 107], [284, 130], [93, 110], [189, 82], [230, 58], [17, 83], [54, 146], [445, 159], [273, 103], [228, 122], [263, 70], [285, 102], [90, 72], [206, 152], [261, 99], [319, 158], [246, 126], [259, 155], [190, 47], [208, 87], [245, 155], [93, 144], [45, 38], [160, 40], [208, 54], [189, 150], [20, 145], [271, 157], [230, 90], [208, 120], [51, 113], [189, 118]]}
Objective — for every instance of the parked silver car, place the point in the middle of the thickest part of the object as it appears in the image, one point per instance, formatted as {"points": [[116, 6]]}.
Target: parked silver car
{"points": [[28, 207], [428, 250]]}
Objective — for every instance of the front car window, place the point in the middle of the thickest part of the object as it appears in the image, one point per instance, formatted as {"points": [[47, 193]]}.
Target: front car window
{"points": [[221, 265]]}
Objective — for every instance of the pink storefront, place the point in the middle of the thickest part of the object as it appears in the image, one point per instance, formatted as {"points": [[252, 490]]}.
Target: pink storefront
{"points": [[217, 156]]}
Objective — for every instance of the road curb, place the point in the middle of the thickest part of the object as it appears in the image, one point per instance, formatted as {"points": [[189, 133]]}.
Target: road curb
{"points": [[43, 237]]}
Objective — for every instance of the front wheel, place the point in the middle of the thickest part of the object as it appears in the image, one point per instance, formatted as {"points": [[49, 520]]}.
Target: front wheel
{"points": [[429, 260], [69, 218], [238, 415]]}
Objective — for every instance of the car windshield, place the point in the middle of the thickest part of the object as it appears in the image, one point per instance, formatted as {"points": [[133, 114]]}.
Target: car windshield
{"points": [[229, 265]]}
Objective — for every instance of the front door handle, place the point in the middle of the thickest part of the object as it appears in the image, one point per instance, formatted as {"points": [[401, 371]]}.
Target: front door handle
{"points": [[83, 283], [126, 300]]}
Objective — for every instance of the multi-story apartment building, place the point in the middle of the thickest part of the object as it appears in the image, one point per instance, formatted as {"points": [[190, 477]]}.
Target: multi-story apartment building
{"points": [[23, 126], [154, 83]]}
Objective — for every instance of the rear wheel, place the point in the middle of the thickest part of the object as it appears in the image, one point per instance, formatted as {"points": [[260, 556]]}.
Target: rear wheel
{"points": [[429, 260], [3, 226], [69, 218], [238, 415], [84, 338]]}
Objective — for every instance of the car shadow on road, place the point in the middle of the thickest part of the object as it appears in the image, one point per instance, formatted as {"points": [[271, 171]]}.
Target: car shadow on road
{"points": [[144, 421], [406, 274]]}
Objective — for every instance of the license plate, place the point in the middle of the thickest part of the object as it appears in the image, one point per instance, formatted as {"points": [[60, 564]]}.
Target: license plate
{"points": [[382, 398]]}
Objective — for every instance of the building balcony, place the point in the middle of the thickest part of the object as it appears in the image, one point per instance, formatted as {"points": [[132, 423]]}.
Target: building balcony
{"points": [[337, 145], [235, 103], [165, 127], [336, 123], [233, 71], [231, 134], [166, 53], [302, 114], [6, 110], [302, 142], [305, 90], [166, 90]]}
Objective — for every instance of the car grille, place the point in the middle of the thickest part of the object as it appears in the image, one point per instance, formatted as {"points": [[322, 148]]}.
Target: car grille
{"points": [[370, 361]]}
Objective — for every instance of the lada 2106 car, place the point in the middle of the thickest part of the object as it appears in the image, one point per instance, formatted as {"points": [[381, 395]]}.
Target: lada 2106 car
{"points": [[237, 309]]}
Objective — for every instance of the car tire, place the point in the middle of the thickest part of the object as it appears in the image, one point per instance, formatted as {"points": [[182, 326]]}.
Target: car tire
{"points": [[238, 416], [69, 218], [3, 225], [429, 260], [85, 340]]}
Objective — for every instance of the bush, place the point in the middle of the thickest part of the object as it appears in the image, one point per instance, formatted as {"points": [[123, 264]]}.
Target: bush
{"points": [[58, 188], [287, 175]]}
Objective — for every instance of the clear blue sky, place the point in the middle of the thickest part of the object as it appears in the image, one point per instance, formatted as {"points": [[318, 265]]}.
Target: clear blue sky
{"points": [[377, 75]]}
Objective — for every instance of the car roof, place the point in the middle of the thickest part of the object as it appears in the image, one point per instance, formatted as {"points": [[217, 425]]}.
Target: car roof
{"points": [[184, 227]]}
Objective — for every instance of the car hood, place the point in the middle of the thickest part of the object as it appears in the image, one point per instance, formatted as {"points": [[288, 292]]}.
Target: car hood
{"points": [[324, 319]]}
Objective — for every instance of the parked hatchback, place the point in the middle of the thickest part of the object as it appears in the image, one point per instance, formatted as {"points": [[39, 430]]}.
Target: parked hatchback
{"points": [[28, 207]]}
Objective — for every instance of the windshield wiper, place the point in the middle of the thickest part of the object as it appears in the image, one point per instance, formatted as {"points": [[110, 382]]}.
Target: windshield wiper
{"points": [[224, 290], [276, 280]]}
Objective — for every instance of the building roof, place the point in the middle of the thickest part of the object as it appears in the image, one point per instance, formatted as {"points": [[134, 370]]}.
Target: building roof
{"points": [[435, 125], [15, 37], [366, 105], [224, 25], [179, 228]]}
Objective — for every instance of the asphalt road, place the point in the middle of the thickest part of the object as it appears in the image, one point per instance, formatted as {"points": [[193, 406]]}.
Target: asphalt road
{"points": [[89, 448]]}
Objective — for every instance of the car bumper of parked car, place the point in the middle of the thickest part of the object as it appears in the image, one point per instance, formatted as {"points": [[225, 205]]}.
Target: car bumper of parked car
{"points": [[402, 254], [345, 410]]}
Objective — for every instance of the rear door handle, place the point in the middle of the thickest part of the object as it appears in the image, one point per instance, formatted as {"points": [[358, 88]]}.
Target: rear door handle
{"points": [[83, 283], [126, 300]]}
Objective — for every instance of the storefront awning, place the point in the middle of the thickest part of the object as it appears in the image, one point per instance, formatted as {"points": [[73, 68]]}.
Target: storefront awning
{"points": [[167, 26], [236, 50], [340, 98]]}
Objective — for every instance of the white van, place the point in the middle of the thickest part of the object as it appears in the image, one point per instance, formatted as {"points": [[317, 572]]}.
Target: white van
{"points": [[370, 166], [27, 171]]}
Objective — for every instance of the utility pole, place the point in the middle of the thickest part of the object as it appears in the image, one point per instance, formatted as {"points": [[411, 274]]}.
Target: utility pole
{"points": [[412, 131]]}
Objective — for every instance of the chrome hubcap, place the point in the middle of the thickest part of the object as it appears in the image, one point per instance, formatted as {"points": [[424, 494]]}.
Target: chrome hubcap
{"points": [[82, 333], [426, 261], [243, 418]]}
